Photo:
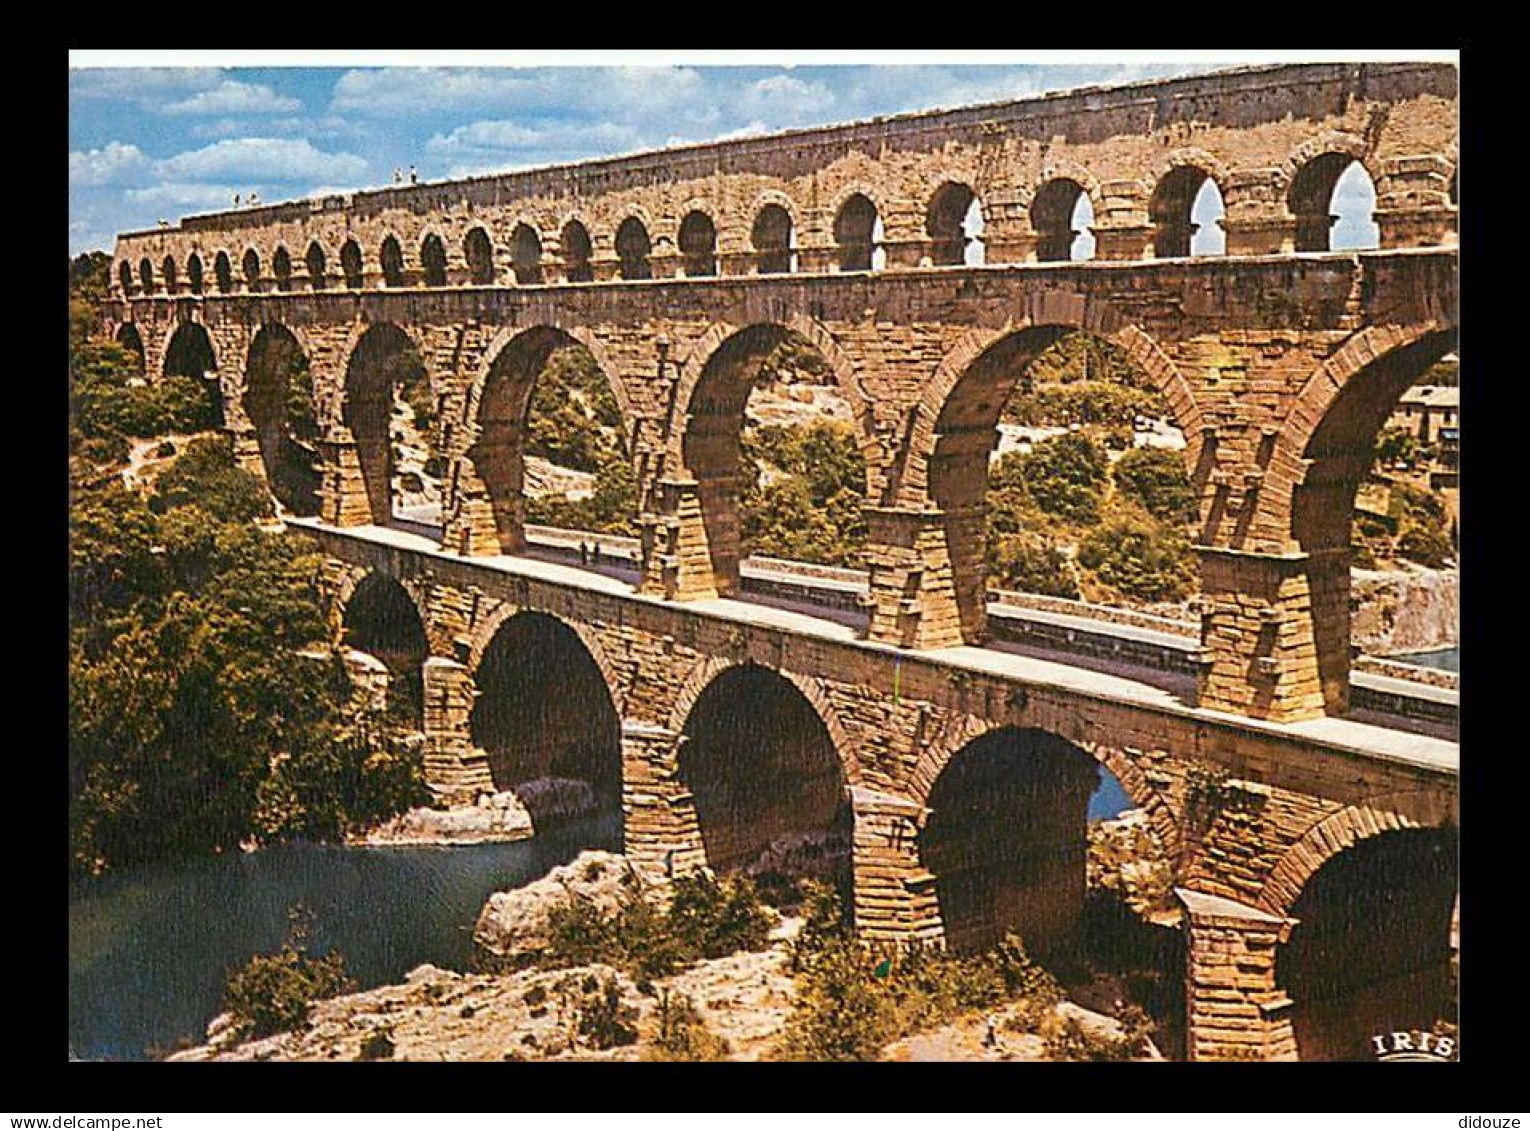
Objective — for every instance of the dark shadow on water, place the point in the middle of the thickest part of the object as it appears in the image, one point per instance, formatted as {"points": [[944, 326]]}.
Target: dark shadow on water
{"points": [[150, 948]]}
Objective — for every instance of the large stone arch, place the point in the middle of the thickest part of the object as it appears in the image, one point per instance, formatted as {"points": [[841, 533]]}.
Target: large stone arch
{"points": [[417, 589], [1322, 396], [577, 335], [545, 711], [365, 399], [704, 671], [762, 760], [289, 464], [1003, 832], [704, 349], [187, 350], [704, 442], [1351, 825], [1065, 310], [963, 729], [1370, 947], [484, 631], [487, 506]]}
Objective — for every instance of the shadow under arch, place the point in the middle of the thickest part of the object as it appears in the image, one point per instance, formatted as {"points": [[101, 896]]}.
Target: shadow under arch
{"points": [[1371, 951], [279, 401], [380, 619], [770, 790], [189, 353], [546, 716], [1007, 841], [130, 339]]}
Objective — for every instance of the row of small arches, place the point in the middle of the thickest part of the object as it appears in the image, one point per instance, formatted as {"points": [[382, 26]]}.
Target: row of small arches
{"points": [[1185, 211]]}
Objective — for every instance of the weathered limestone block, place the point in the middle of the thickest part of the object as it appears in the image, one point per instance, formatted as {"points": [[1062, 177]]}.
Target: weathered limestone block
{"points": [[453, 768], [662, 837], [1235, 1011], [1274, 633], [912, 594], [894, 892], [512, 927]]}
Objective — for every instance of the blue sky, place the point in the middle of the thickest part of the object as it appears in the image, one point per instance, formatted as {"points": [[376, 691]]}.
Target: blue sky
{"points": [[159, 143]]}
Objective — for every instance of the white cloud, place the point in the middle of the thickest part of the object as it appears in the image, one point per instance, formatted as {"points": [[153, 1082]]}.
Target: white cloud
{"points": [[624, 92], [786, 98], [143, 85], [234, 97], [183, 195], [489, 146], [111, 164], [263, 160]]}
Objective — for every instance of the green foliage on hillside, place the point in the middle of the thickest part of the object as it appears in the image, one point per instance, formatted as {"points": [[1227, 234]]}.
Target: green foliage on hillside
{"points": [[854, 999], [1416, 528], [574, 421], [810, 509], [1030, 563], [1063, 475], [1156, 479], [1396, 445], [204, 706], [610, 508], [1139, 558]]}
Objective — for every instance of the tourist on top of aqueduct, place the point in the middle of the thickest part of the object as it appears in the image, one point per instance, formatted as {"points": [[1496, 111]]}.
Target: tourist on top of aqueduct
{"points": [[868, 502]]}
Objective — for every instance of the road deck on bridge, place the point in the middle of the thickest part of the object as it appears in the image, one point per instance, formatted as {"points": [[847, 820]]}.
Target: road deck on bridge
{"points": [[1346, 734]]}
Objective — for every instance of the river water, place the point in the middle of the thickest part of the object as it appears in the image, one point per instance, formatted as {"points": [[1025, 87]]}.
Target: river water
{"points": [[1448, 659], [150, 948]]}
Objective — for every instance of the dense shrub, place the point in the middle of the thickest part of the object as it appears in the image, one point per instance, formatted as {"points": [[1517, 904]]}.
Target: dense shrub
{"points": [[1067, 1038], [611, 507], [603, 1019], [706, 918], [107, 396], [854, 999], [1426, 545], [574, 419], [683, 1035], [1139, 558], [1396, 445], [1064, 475], [272, 993], [810, 509], [1156, 478], [206, 476], [203, 709], [1030, 563]]}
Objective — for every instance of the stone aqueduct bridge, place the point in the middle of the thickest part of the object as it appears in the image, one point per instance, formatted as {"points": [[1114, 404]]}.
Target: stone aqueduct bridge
{"points": [[679, 271]]}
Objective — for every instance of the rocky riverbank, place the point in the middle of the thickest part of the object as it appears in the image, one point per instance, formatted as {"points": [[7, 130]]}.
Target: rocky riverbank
{"points": [[508, 815], [521, 1011]]}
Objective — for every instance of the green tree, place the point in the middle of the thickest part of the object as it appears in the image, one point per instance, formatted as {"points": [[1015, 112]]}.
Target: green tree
{"points": [[205, 708], [1140, 558], [1156, 478], [1064, 476], [1030, 563], [1396, 445]]}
